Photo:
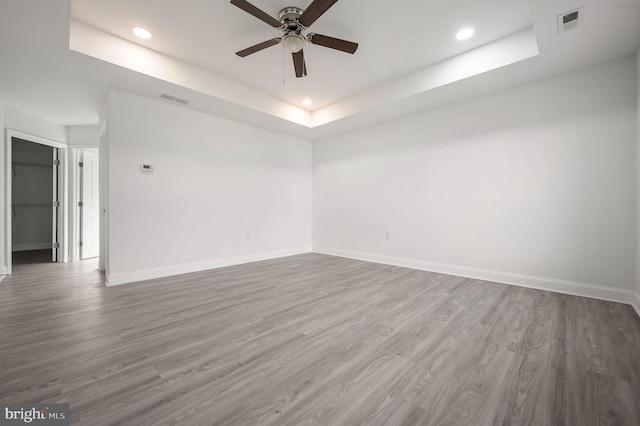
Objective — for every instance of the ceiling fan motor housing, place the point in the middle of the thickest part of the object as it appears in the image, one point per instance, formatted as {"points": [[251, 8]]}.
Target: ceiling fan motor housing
{"points": [[292, 40], [290, 16]]}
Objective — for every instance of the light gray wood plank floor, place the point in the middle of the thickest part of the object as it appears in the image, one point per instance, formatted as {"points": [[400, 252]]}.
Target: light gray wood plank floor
{"points": [[314, 339]]}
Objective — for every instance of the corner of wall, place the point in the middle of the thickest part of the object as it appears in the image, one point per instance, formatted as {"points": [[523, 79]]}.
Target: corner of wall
{"points": [[636, 300], [636, 303], [4, 267], [103, 172]]}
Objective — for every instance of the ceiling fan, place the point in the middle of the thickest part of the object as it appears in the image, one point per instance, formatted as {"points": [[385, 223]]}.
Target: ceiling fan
{"points": [[293, 21]]}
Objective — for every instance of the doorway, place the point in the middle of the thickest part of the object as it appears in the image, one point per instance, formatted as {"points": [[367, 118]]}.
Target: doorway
{"points": [[88, 203], [35, 195], [35, 204]]}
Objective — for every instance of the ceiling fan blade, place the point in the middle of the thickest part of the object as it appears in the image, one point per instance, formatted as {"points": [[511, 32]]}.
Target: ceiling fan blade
{"points": [[299, 64], [314, 11], [251, 9], [258, 47], [333, 43]]}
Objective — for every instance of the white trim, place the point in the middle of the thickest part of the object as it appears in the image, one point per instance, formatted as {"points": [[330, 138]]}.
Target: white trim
{"points": [[2, 277], [36, 139], [149, 274], [103, 178], [63, 185], [75, 152], [539, 283], [636, 303], [8, 169], [32, 246], [73, 204]]}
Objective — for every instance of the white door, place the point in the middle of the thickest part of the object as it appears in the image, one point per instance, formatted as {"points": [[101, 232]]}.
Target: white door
{"points": [[89, 206]]}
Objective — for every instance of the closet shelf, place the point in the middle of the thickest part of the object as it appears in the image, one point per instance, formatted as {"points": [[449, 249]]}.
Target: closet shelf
{"points": [[22, 163], [14, 205]]}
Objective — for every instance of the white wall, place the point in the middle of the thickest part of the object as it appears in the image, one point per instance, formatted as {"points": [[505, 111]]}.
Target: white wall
{"points": [[637, 296], [103, 136], [533, 186], [13, 119], [214, 181], [3, 188], [84, 136], [33, 125]]}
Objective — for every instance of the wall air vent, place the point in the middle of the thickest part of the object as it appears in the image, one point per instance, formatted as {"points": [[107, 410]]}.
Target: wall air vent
{"points": [[167, 97], [570, 20], [175, 99]]}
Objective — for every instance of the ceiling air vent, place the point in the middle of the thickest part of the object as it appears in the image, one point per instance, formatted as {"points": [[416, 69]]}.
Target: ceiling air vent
{"points": [[570, 20], [174, 99]]}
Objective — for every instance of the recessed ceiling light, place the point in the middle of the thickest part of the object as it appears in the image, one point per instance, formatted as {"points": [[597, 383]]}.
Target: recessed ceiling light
{"points": [[464, 34], [307, 102], [142, 32]]}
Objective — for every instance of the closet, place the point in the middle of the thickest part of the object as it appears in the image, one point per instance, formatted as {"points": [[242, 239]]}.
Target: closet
{"points": [[35, 205]]}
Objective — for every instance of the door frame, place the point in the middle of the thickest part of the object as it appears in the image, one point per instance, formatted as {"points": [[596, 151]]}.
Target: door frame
{"points": [[63, 253], [74, 197]]}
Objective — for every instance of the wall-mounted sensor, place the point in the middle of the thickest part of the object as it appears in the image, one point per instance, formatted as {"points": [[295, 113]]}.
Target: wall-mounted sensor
{"points": [[570, 20], [146, 168]]}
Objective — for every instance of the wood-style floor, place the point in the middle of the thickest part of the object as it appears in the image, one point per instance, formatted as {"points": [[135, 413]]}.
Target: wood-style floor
{"points": [[314, 339]]}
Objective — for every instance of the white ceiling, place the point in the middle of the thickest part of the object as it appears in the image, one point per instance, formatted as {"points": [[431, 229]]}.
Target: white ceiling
{"points": [[395, 38], [400, 42]]}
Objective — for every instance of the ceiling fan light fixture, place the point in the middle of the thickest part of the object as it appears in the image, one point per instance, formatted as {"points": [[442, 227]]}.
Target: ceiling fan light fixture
{"points": [[293, 42]]}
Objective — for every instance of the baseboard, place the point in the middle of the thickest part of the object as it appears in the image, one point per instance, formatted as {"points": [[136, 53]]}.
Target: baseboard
{"points": [[636, 303], [149, 274], [539, 283], [31, 246], [2, 277]]}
